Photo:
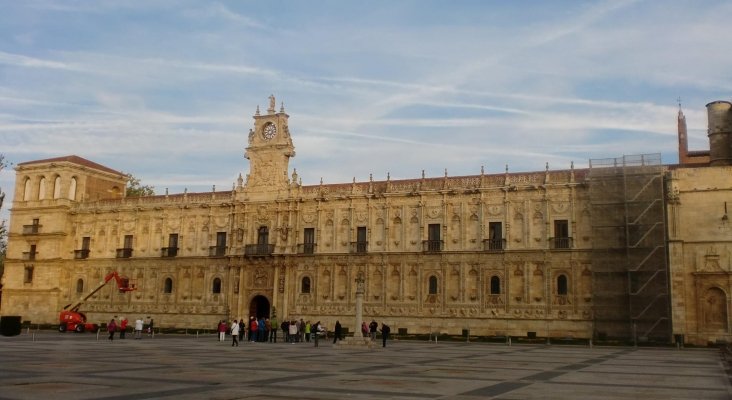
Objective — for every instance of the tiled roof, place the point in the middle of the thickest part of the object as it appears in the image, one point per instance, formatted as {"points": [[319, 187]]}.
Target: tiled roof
{"points": [[73, 159]]}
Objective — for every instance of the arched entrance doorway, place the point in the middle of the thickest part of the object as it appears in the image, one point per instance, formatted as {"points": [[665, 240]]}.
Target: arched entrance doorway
{"points": [[259, 307]]}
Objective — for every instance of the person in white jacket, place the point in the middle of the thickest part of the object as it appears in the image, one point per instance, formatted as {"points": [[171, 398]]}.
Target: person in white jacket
{"points": [[139, 323], [235, 333]]}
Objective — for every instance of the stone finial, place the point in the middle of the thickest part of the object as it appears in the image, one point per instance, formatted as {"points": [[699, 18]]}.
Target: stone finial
{"points": [[388, 176], [445, 172], [257, 112], [371, 177], [282, 107], [422, 174], [547, 166], [166, 191], [239, 181], [213, 188], [482, 170], [321, 181]]}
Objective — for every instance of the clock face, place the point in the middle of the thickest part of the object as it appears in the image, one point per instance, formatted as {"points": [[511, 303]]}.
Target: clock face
{"points": [[269, 131]]}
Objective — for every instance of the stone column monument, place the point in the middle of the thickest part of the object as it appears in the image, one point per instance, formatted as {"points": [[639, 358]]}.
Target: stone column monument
{"points": [[357, 340], [359, 304]]}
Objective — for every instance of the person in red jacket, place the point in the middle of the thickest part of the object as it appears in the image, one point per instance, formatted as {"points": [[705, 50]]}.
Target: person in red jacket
{"points": [[122, 328], [222, 330], [111, 328]]}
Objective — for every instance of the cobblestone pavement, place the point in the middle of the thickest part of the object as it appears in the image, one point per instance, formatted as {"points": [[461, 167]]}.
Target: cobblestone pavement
{"points": [[50, 365]]}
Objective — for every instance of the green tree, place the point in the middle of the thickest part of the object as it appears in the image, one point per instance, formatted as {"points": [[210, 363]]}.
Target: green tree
{"points": [[136, 189]]}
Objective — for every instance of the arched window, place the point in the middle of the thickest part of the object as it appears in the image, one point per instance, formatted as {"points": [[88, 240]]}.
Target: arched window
{"points": [[495, 285], [27, 189], [168, 287], [42, 188], [433, 285], [57, 188], [305, 287], [216, 286], [80, 286], [562, 285], [72, 189]]}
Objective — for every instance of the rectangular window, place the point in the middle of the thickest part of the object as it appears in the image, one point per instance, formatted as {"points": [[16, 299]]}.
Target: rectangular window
{"points": [[127, 242], [495, 236], [561, 234], [28, 275], [172, 249], [433, 232], [361, 242], [173, 240], [434, 243], [126, 250], [220, 244], [309, 241], [85, 246]]}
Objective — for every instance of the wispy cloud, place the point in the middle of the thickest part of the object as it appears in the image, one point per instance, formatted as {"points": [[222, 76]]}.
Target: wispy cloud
{"points": [[19, 60], [166, 89]]}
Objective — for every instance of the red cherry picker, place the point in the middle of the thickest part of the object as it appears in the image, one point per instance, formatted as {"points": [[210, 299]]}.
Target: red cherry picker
{"points": [[71, 319]]}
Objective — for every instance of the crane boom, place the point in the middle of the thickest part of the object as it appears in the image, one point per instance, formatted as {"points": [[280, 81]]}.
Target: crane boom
{"points": [[123, 284]]}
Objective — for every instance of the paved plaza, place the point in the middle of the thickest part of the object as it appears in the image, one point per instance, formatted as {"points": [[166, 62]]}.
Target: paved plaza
{"points": [[51, 365]]}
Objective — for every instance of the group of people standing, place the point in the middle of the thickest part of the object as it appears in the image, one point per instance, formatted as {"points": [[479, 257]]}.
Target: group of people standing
{"points": [[265, 330], [121, 327], [254, 330], [369, 330]]}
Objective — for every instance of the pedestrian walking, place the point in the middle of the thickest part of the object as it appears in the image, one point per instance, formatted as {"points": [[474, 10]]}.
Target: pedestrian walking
{"points": [[123, 328], [235, 333], [111, 328], [273, 332], [373, 328], [385, 330], [316, 329], [139, 323], [222, 330], [337, 332]]}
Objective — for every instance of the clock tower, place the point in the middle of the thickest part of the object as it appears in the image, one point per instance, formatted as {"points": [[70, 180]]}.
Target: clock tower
{"points": [[269, 150]]}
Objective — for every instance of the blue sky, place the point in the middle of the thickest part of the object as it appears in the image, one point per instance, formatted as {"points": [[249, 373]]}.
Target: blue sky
{"points": [[165, 90]]}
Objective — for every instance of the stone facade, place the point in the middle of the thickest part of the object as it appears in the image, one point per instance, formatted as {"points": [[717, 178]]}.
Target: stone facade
{"points": [[700, 252], [499, 254]]}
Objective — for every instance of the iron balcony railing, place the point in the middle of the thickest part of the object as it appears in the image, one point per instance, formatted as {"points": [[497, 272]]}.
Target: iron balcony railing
{"points": [[217, 251], [81, 254], [559, 243], [359, 247], [169, 251], [432, 246], [259, 249], [31, 229], [306, 248], [124, 253], [494, 244]]}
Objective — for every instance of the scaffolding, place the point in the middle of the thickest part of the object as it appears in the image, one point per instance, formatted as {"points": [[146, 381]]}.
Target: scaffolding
{"points": [[630, 278]]}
